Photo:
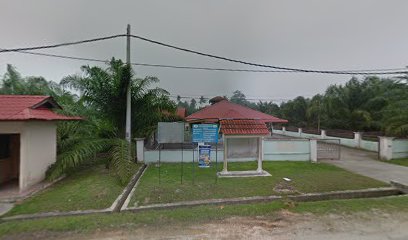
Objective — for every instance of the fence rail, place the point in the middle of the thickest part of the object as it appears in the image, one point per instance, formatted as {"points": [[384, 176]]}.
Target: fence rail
{"points": [[340, 133], [292, 129], [372, 136], [312, 131]]}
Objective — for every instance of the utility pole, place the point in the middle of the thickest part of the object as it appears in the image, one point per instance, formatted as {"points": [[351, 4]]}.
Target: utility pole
{"points": [[128, 93], [318, 117]]}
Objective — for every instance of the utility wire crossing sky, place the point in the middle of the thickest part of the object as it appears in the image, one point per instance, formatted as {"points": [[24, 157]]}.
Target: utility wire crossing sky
{"points": [[338, 35], [280, 69]]}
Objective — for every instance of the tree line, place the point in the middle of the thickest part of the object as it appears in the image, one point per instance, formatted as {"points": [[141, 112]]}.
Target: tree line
{"points": [[367, 104]]}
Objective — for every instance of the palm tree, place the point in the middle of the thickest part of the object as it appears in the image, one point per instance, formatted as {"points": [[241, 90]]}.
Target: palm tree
{"points": [[12, 81], [202, 100], [396, 114], [314, 111], [102, 95]]}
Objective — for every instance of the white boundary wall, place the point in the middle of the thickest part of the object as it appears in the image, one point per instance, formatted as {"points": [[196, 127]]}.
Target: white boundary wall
{"points": [[391, 148], [357, 142], [273, 150]]}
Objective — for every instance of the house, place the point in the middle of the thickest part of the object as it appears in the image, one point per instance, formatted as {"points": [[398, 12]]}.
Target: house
{"points": [[221, 109], [242, 129], [28, 144]]}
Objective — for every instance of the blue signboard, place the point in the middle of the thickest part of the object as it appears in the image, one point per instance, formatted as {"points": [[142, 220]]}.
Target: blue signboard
{"points": [[206, 133]]}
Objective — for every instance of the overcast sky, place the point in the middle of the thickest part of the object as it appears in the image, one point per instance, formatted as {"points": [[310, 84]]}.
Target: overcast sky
{"points": [[320, 34]]}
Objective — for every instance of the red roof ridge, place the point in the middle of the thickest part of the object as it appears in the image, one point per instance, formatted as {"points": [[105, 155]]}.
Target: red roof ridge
{"points": [[225, 109], [23, 96], [30, 107]]}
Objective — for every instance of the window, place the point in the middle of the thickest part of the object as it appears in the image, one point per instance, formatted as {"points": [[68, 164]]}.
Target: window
{"points": [[4, 146]]}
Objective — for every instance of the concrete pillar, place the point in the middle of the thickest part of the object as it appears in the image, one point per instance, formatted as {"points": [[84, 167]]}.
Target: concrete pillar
{"points": [[313, 150], [283, 130], [300, 132], [357, 139], [260, 154], [385, 148], [225, 167], [140, 149], [323, 134]]}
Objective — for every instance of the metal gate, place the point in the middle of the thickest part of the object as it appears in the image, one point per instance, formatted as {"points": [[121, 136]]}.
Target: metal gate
{"points": [[328, 149]]}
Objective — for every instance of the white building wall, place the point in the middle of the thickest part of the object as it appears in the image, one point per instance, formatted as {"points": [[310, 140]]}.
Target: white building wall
{"points": [[38, 151], [38, 148]]}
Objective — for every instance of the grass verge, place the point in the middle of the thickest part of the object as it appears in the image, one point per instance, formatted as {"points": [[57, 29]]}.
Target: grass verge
{"points": [[401, 161], [115, 221], [306, 178], [91, 188]]}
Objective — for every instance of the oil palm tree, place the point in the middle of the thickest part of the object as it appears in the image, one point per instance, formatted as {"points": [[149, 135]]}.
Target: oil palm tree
{"points": [[102, 101]]}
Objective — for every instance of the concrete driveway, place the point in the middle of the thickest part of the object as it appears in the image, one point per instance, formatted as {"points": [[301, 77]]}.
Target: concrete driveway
{"points": [[365, 163], [5, 207]]}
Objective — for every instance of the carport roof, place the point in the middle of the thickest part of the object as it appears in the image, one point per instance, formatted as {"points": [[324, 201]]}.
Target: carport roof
{"points": [[243, 127], [30, 107]]}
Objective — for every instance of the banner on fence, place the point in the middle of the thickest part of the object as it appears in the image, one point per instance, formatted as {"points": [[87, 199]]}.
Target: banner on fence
{"points": [[204, 156]]}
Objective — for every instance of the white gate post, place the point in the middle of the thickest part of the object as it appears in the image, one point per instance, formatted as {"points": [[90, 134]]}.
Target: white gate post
{"points": [[357, 139], [140, 149], [323, 134], [385, 148], [300, 132], [313, 150]]}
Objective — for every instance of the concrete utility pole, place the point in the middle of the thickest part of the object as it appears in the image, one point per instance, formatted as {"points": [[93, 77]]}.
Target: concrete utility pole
{"points": [[128, 93]]}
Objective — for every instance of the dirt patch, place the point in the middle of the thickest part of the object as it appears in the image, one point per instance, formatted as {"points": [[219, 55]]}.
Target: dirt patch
{"points": [[285, 187], [284, 226]]}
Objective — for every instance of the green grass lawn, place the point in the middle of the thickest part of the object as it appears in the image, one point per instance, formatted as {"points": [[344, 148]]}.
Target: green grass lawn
{"points": [[194, 215], [401, 161], [91, 188], [306, 178]]}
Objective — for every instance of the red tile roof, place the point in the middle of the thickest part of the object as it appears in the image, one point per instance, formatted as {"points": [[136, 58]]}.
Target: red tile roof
{"points": [[228, 110], [181, 112], [243, 127], [29, 107]]}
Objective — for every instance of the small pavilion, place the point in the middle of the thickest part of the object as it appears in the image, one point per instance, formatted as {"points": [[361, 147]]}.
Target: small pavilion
{"points": [[242, 129], [28, 140]]}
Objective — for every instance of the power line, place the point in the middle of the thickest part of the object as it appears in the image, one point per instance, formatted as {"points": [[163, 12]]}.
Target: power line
{"points": [[282, 69], [63, 44], [62, 56], [148, 64], [182, 67], [211, 69], [263, 65]]}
